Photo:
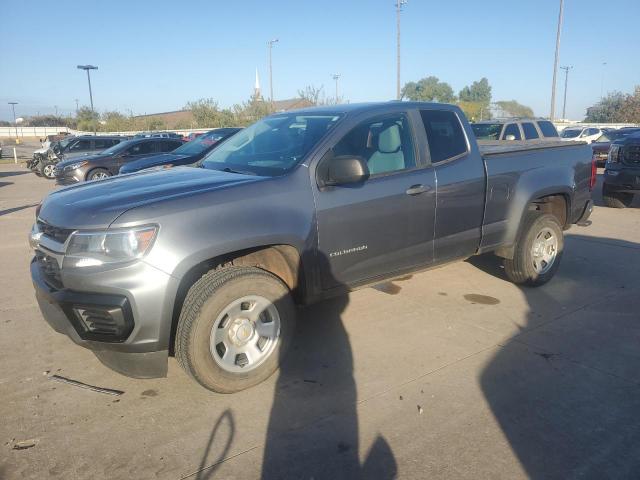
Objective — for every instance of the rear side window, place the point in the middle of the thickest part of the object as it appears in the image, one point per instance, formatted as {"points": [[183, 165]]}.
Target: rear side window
{"points": [[170, 145], [81, 145], [512, 129], [142, 148], [444, 134], [530, 131], [547, 129], [102, 143]]}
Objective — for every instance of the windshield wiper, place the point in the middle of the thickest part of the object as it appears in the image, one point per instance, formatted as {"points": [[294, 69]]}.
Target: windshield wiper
{"points": [[243, 172]]}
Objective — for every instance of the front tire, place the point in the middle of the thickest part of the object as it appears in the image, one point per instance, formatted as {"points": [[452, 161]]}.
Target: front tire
{"points": [[48, 170], [235, 326], [98, 174], [538, 250], [616, 199]]}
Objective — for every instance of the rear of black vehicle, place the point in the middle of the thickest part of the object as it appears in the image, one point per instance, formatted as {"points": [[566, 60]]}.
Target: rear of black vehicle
{"points": [[622, 172]]}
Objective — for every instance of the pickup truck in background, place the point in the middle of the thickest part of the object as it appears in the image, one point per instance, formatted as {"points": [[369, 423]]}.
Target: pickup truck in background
{"points": [[209, 263]]}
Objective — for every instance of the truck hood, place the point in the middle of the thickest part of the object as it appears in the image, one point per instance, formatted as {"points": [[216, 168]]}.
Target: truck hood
{"points": [[98, 204]]}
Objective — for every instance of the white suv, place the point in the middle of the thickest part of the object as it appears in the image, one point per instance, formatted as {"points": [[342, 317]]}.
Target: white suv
{"points": [[580, 134]]}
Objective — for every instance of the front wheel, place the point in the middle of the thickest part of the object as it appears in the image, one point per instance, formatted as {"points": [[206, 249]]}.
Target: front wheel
{"points": [[98, 174], [616, 199], [235, 326], [48, 170], [538, 250]]}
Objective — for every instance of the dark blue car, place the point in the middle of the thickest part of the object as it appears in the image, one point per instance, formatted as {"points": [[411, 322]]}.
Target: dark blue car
{"points": [[186, 154]]}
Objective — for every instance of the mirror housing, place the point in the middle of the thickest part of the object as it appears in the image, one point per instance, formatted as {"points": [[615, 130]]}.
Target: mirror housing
{"points": [[510, 137], [343, 170]]}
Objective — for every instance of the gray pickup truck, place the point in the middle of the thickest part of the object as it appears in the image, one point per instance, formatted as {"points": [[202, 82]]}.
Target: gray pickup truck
{"points": [[208, 264]]}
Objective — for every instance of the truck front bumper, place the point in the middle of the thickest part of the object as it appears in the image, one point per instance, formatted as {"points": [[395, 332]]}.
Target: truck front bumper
{"points": [[626, 179], [127, 325]]}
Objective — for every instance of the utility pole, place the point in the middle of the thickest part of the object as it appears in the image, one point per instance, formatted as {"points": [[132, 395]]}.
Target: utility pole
{"points": [[77, 108], [399, 4], [56, 107], [566, 81], [604, 64], [13, 107], [336, 76], [88, 68], [555, 63], [270, 45]]}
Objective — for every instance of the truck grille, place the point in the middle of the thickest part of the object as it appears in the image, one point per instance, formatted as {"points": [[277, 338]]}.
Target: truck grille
{"points": [[60, 235], [632, 155], [50, 270]]}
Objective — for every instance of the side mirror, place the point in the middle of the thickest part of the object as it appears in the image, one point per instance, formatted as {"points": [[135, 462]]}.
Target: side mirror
{"points": [[510, 137], [343, 170]]}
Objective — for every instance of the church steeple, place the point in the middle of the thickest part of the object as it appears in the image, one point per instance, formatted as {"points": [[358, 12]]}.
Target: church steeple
{"points": [[256, 88]]}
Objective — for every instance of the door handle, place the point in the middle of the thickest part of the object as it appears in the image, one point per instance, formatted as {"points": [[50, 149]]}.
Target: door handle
{"points": [[417, 189]]}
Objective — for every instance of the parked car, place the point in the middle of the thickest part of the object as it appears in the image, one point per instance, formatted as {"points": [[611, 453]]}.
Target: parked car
{"points": [[186, 154], [74, 149], [109, 162], [192, 136], [514, 129], [622, 172], [210, 262], [580, 134], [601, 145], [158, 135]]}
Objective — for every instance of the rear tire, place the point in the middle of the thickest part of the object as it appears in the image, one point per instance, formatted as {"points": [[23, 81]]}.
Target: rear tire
{"points": [[98, 174], [538, 250], [235, 326], [616, 199]]}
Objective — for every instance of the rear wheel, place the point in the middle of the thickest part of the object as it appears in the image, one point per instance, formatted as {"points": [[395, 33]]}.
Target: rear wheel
{"points": [[616, 199], [98, 174], [48, 170], [538, 250], [235, 326]]}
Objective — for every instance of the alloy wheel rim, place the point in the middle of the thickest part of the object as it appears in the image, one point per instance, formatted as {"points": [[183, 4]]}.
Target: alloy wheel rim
{"points": [[48, 170], [544, 251], [245, 334]]}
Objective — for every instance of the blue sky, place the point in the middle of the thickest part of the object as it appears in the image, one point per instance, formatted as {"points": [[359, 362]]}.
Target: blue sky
{"points": [[157, 55]]}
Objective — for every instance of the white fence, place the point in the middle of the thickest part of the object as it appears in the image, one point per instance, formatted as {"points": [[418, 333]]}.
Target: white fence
{"points": [[31, 131]]}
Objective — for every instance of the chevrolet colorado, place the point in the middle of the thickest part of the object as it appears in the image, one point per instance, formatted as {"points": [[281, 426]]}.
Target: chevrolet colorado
{"points": [[208, 264]]}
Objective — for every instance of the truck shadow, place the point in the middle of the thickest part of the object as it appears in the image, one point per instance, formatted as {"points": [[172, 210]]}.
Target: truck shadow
{"points": [[565, 390], [313, 424]]}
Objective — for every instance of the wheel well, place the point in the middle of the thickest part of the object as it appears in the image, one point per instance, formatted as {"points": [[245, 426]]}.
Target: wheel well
{"points": [[86, 177], [283, 261], [556, 205]]}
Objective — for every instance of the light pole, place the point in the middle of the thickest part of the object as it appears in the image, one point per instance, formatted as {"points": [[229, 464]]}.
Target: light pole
{"points": [[566, 81], [399, 4], [56, 107], [555, 63], [604, 64], [270, 45], [336, 77], [77, 106], [88, 68], [13, 108]]}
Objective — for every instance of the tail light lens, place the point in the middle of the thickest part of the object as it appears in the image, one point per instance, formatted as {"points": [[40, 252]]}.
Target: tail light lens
{"points": [[615, 152], [594, 173]]}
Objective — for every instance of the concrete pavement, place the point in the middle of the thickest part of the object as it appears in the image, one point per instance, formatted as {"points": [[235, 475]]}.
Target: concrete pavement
{"points": [[452, 373]]}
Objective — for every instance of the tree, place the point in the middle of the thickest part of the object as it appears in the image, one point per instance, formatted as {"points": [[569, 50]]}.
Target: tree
{"points": [[87, 119], [115, 121], [609, 109], [512, 108], [631, 109], [207, 114], [475, 111], [312, 94], [429, 89], [477, 92]]}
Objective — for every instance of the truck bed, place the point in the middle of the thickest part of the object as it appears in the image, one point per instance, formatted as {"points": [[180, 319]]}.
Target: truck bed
{"points": [[489, 148]]}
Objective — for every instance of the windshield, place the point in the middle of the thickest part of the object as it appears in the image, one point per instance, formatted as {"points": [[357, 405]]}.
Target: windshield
{"points": [[200, 144], [66, 141], [118, 147], [271, 146], [570, 133], [487, 131]]}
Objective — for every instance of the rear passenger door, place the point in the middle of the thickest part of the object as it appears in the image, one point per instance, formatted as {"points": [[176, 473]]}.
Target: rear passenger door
{"points": [[460, 178], [385, 224], [530, 131]]}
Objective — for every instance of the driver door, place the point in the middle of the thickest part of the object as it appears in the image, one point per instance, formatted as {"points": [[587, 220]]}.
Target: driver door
{"points": [[381, 225]]}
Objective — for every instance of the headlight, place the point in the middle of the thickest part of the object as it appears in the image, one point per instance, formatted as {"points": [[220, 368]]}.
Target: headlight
{"points": [[74, 166], [108, 247]]}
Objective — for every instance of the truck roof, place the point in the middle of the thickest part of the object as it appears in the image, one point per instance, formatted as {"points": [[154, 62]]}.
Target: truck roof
{"points": [[371, 106]]}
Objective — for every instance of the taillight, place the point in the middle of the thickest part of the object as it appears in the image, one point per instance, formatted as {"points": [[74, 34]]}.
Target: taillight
{"points": [[594, 173]]}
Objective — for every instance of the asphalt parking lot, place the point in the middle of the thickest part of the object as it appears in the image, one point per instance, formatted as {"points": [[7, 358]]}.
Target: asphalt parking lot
{"points": [[452, 373]]}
